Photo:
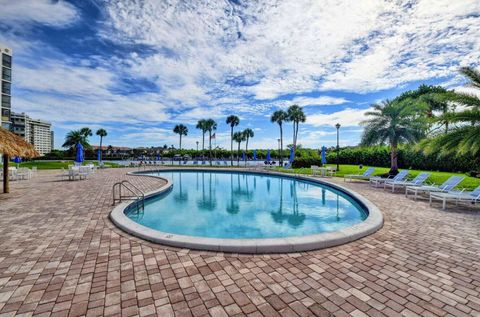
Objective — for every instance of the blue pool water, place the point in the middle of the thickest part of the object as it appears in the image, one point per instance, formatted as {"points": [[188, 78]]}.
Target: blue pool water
{"points": [[245, 206]]}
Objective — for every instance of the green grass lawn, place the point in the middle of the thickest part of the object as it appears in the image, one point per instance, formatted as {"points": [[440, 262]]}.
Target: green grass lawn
{"points": [[468, 183], [47, 165]]}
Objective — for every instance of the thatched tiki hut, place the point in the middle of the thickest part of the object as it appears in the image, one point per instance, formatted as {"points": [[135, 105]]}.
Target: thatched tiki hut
{"points": [[12, 145]]}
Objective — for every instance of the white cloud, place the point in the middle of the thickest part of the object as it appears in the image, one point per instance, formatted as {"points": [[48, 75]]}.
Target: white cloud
{"points": [[349, 117], [318, 101], [299, 46], [46, 12]]}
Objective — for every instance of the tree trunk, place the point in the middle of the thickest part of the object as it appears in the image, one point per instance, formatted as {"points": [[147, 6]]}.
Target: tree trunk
{"points": [[231, 147], [293, 141], [180, 141], [296, 139], [393, 160], [101, 154], [238, 154], [281, 144], [246, 149], [203, 142], [210, 146], [6, 177]]}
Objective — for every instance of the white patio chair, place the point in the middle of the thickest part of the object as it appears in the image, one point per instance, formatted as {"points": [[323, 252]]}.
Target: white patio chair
{"points": [[377, 180], [448, 185], [457, 196], [417, 181], [365, 176]]}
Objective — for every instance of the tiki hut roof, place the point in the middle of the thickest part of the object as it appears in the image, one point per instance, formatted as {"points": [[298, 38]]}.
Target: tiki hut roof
{"points": [[13, 145]]}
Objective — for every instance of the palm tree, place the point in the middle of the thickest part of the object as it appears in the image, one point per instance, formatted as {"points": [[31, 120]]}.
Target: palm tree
{"points": [[464, 137], [201, 126], [181, 130], [238, 137], [101, 133], [233, 121], [395, 122], [247, 133], [75, 136], [279, 117], [86, 132], [210, 126], [295, 115], [433, 98]]}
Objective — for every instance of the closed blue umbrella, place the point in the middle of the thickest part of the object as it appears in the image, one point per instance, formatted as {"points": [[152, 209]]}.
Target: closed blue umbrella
{"points": [[99, 155], [268, 156], [79, 158], [244, 157], [158, 157], [17, 159], [292, 155], [254, 155], [324, 155]]}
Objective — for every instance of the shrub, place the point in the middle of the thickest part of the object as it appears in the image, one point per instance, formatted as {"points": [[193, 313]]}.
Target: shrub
{"points": [[408, 157]]}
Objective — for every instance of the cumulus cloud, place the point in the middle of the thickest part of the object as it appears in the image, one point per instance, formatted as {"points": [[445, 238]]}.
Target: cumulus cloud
{"points": [[349, 117], [214, 58], [47, 12]]}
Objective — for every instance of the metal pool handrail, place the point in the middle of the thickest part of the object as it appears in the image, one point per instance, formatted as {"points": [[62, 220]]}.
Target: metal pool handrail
{"points": [[136, 194]]}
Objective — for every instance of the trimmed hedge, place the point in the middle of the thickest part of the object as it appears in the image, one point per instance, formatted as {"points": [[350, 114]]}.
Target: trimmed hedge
{"points": [[408, 157]]}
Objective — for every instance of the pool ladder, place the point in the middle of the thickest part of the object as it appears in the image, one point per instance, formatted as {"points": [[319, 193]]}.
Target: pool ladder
{"points": [[132, 193]]}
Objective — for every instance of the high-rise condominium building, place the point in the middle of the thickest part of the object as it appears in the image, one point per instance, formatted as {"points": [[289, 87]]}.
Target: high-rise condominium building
{"points": [[36, 132], [6, 87]]}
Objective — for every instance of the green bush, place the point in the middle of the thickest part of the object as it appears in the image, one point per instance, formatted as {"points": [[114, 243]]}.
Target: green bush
{"points": [[408, 157]]}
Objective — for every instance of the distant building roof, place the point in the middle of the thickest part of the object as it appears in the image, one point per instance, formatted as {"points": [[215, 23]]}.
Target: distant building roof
{"points": [[105, 147]]}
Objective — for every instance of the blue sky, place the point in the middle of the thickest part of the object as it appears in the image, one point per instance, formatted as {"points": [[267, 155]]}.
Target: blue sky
{"points": [[137, 68]]}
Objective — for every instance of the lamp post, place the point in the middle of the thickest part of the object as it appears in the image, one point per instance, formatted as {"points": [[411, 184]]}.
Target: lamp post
{"points": [[338, 146], [279, 154]]}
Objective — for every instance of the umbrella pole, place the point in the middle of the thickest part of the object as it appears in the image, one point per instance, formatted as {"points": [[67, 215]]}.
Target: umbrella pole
{"points": [[6, 177]]}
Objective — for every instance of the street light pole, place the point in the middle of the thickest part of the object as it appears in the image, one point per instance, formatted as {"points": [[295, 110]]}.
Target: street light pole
{"points": [[338, 145]]}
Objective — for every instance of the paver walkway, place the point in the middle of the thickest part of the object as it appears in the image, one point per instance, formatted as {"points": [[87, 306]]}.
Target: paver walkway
{"points": [[60, 255]]}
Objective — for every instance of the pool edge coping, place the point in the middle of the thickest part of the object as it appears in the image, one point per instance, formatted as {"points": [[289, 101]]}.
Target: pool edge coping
{"points": [[371, 224]]}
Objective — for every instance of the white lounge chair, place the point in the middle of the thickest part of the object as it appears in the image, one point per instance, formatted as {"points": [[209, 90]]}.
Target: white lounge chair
{"points": [[457, 196], [417, 181], [365, 176], [377, 180], [448, 185]]}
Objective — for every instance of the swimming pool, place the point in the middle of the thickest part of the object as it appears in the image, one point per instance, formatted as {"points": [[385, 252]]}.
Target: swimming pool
{"points": [[240, 208]]}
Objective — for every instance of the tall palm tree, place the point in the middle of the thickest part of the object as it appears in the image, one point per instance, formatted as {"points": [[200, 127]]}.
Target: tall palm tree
{"points": [[433, 98], [75, 136], [210, 126], [464, 137], [395, 123], [101, 133], [86, 132], [233, 121], [201, 126], [247, 133], [238, 137], [279, 117], [181, 130], [296, 115]]}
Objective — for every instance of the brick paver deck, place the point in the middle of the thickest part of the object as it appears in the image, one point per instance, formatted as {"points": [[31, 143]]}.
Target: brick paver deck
{"points": [[60, 255]]}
